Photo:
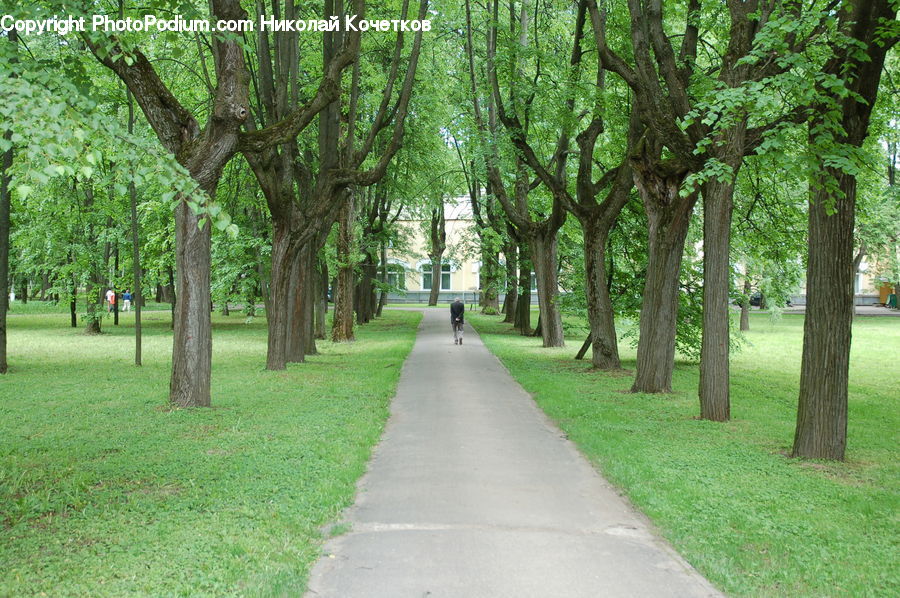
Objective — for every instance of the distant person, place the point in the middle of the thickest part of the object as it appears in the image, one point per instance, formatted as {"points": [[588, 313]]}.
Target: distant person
{"points": [[110, 300], [126, 300], [456, 320]]}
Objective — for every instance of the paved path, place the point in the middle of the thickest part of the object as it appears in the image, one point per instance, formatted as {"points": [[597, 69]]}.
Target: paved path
{"points": [[472, 492]]}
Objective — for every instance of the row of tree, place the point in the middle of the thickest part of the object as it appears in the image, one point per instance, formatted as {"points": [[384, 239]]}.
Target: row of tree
{"points": [[653, 124]]}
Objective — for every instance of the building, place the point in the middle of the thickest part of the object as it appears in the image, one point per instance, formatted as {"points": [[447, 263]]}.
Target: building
{"points": [[410, 269]]}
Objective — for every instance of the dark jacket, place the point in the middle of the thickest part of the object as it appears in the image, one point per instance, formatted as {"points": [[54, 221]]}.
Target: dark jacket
{"points": [[456, 311]]}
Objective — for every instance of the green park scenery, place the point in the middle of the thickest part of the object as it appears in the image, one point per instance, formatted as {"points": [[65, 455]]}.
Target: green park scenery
{"points": [[105, 488], [650, 169], [106, 491]]}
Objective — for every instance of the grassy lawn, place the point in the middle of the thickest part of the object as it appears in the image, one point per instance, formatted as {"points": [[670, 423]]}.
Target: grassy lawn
{"points": [[106, 492], [754, 521]]}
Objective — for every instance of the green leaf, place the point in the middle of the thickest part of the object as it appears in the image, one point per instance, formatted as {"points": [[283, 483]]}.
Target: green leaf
{"points": [[223, 221], [24, 191]]}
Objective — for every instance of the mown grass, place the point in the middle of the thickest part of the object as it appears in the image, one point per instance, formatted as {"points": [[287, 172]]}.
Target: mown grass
{"points": [[753, 520], [104, 491]]}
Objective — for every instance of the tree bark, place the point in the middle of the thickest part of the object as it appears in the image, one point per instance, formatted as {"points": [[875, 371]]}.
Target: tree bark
{"points": [[668, 216], [118, 294], [366, 290], [305, 323], [189, 385], [821, 430], [5, 203], [715, 403], [438, 234], [342, 323], [321, 298], [523, 300], [512, 283], [603, 338], [73, 308], [544, 252], [489, 281], [277, 308]]}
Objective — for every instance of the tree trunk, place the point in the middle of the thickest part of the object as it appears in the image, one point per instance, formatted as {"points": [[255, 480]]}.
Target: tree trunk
{"points": [[523, 300], [45, 284], [73, 308], [382, 296], [745, 306], [342, 322], [435, 278], [277, 308], [365, 292], [438, 234], [303, 323], [544, 252], [603, 339], [300, 327], [715, 403], [94, 310], [5, 203], [192, 342], [668, 216], [821, 431], [321, 298], [489, 281], [137, 295], [512, 283], [118, 294]]}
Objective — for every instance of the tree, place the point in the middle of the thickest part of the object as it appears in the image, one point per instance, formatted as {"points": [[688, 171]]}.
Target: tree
{"points": [[597, 219], [6, 163], [437, 235], [838, 129]]}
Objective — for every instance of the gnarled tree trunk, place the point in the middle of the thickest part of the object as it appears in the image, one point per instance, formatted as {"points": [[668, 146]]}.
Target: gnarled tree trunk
{"points": [[668, 215], [604, 342]]}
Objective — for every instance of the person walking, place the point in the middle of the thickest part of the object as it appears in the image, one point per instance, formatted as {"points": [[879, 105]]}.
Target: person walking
{"points": [[110, 300], [126, 300], [457, 308]]}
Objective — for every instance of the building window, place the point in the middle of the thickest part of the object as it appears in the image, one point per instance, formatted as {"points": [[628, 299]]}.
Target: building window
{"points": [[396, 276], [426, 277]]}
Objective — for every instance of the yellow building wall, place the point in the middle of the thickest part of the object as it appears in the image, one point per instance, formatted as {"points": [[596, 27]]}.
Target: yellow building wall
{"points": [[464, 272]]}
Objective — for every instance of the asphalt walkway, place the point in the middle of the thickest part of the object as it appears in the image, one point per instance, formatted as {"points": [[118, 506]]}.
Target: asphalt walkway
{"points": [[473, 492]]}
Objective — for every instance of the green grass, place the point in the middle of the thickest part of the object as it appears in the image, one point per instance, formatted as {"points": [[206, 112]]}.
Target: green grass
{"points": [[753, 520], [17, 308], [104, 491]]}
